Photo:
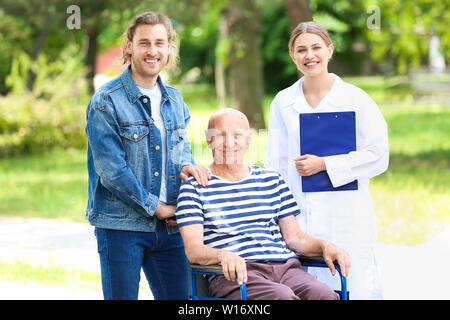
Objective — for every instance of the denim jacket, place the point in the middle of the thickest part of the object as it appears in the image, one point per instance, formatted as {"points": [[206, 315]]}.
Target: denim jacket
{"points": [[124, 154]]}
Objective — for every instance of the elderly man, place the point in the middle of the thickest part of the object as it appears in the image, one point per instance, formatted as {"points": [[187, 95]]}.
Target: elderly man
{"points": [[244, 221]]}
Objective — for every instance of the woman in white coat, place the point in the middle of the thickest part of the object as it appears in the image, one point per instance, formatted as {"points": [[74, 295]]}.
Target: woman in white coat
{"points": [[346, 218]]}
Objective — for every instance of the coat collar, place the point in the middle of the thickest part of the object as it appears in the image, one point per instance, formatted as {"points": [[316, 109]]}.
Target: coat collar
{"points": [[294, 96]]}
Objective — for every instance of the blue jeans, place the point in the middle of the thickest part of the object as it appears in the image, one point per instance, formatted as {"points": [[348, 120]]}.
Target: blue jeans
{"points": [[124, 253]]}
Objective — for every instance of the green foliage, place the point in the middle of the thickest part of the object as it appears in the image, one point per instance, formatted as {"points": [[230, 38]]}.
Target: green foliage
{"points": [[199, 45], [279, 70], [13, 34], [198, 48], [401, 43], [33, 29], [50, 115]]}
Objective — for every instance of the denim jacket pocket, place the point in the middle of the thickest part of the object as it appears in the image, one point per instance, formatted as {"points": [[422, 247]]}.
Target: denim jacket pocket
{"points": [[133, 139], [134, 132]]}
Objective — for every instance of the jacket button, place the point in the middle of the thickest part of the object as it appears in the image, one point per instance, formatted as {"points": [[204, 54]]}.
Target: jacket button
{"points": [[135, 136], [156, 173], [157, 148], [145, 100]]}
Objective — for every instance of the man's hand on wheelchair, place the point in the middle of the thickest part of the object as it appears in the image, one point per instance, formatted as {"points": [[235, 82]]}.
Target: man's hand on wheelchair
{"points": [[333, 253], [233, 267]]}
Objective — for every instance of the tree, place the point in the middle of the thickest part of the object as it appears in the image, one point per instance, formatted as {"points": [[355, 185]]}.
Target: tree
{"points": [[47, 22], [405, 31], [241, 22], [42, 19], [298, 11]]}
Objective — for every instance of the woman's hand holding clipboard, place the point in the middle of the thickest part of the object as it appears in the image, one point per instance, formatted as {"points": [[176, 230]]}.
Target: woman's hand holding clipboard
{"points": [[309, 164]]}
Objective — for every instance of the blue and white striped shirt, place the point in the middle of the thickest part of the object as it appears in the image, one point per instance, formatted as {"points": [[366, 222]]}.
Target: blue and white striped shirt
{"points": [[240, 216]]}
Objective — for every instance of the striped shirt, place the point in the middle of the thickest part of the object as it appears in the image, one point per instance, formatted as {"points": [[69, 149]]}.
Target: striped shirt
{"points": [[240, 216]]}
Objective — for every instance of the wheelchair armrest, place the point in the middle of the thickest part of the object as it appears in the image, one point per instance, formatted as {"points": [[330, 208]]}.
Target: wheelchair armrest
{"points": [[311, 261], [207, 268], [218, 268], [306, 260]]}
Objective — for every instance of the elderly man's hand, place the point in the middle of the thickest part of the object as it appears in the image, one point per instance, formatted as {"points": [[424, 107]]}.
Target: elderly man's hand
{"points": [[200, 173], [232, 266], [333, 253]]}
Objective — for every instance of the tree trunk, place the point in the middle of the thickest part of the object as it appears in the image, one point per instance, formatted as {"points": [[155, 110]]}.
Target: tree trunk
{"points": [[220, 68], [242, 27], [298, 11], [92, 34]]}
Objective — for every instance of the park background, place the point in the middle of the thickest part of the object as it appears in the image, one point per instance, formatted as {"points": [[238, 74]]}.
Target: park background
{"points": [[232, 53]]}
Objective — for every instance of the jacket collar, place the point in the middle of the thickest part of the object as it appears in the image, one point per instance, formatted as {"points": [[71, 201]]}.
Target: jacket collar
{"points": [[133, 91]]}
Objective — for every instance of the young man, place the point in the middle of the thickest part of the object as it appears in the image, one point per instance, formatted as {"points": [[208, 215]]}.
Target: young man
{"points": [[138, 150], [244, 221]]}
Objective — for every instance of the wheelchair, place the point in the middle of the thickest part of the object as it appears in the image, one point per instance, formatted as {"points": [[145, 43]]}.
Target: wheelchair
{"points": [[199, 285]]}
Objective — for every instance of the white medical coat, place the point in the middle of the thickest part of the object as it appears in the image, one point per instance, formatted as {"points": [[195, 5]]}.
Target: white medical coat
{"points": [[346, 218]]}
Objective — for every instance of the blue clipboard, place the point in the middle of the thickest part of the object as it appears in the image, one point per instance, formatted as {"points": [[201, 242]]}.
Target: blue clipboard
{"points": [[327, 134]]}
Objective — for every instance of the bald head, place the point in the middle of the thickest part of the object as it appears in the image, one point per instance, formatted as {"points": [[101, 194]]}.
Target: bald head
{"points": [[228, 136], [229, 114]]}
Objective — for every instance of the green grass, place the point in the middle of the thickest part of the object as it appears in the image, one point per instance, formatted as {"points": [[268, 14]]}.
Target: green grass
{"points": [[52, 275], [51, 185], [413, 196]]}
